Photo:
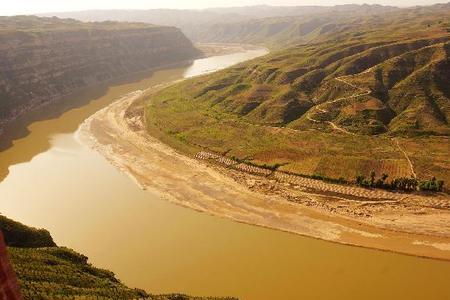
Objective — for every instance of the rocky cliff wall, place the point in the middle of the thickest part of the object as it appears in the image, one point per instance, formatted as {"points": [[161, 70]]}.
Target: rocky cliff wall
{"points": [[51, 58]]}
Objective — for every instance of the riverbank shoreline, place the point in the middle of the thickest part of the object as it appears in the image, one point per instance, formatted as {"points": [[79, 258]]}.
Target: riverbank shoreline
{"points": [[14, 128], [118, 133], [404, 225]]}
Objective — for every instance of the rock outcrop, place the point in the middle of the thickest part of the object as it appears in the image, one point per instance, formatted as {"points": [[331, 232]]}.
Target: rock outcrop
{"points": [[44, 59]]}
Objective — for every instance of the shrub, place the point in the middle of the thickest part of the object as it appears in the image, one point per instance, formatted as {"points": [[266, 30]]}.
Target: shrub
{"points": [[432, 185], [19, 235], [400, 184]]}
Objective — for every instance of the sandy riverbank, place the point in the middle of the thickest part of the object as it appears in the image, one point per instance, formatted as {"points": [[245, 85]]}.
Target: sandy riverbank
{"points": [[117, 132]]}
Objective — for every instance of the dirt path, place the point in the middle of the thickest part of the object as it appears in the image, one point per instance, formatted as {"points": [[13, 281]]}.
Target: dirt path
{"points": [[333, 125], [411, 166], [118, 134]]}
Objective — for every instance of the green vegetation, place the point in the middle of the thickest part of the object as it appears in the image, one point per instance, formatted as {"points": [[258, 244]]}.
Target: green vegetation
{"points": [[399, 184], [46, 271], [19, 235], [432, 185], [328, 179], [328, 107], [60, 273]]}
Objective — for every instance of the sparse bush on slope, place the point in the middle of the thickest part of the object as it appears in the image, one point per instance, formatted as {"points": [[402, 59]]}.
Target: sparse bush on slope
{"points": [[330, 106]]}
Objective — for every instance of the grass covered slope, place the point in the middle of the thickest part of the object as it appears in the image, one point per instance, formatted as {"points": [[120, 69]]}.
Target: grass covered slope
{"points": [[46, 271], [19, 235], [61, 273], [331, 107]]}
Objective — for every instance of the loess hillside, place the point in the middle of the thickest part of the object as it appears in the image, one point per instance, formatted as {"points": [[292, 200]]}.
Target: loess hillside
{"points": [[290, 28], [358, 98], [45, 59], [269, 25]]}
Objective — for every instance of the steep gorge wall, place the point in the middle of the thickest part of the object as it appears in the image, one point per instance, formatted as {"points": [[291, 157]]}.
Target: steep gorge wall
{"points": [[41, 65]]}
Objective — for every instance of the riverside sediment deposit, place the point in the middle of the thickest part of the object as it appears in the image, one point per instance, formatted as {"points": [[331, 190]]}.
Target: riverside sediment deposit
{"points": [[118, 132]]}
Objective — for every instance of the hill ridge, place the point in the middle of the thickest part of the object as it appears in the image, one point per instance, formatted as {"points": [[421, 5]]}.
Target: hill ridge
{"points": [[330, 107]]}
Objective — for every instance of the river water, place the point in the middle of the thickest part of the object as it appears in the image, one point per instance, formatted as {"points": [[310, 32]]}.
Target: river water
{"points": [[49, 180]]}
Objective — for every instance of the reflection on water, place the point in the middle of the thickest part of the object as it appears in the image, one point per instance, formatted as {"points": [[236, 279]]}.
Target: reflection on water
{"points": [[76, 108], [63, 117], [58, 184]]}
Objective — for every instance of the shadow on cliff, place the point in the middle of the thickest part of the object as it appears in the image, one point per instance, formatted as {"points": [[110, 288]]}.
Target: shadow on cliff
{"points": [[17, 147]]}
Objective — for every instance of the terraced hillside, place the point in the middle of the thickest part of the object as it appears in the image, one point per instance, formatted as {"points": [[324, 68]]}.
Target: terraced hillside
{"points": [[46, 271], [371, 94]]}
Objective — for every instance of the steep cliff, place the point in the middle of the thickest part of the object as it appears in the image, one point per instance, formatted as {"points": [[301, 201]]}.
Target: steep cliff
{"points": [[43, 59]]}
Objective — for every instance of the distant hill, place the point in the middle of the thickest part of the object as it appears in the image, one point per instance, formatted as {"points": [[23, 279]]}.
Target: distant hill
{"points": [[251, 24], [44, 59], [283, 27], [326, 105]]}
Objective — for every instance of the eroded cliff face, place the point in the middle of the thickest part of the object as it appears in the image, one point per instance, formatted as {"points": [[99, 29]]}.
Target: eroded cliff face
{"points": [[48, 58]]}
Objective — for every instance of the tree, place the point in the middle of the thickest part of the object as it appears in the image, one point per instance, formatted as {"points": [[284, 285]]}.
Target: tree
{"points": [[431, 185], [360, 179], [372, 178], [440, 185], [381, 181]]}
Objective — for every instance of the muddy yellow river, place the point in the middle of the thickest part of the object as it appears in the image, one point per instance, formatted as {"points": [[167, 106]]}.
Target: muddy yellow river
{"points": [[49, 180]]}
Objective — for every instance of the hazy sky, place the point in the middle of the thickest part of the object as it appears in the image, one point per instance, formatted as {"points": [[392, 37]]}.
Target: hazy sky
{"points": [[12, 7]]}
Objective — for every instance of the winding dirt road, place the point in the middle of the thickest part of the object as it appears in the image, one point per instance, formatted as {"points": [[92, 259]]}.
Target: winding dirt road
{"points": [[338, 128], [333, 125]]}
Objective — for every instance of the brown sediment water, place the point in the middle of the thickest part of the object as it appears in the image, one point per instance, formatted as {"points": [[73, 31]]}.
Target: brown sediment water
{"points": [[52, 181]]}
